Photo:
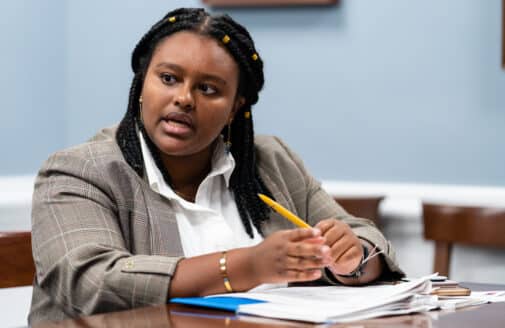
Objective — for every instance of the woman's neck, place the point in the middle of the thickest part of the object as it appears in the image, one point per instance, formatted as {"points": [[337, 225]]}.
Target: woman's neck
{"points": [[187, 172]]}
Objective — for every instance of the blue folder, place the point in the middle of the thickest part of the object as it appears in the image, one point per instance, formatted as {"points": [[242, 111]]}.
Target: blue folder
{"points": [[219, 302]]}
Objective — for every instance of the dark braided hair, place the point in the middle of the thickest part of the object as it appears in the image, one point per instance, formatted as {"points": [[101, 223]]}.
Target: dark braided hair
{"points": [[245, 181]]}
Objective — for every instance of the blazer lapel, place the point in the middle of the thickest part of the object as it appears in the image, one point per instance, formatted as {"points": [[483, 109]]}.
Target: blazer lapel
{"points": [[165, 238], [276, 221]]}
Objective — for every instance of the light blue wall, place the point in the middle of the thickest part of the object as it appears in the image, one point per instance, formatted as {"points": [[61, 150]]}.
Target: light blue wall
{"points": [[369, 90], [32, 91]]}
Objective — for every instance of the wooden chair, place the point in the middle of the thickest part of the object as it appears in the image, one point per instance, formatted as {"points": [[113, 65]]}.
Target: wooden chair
{"points": [[16, 261], [448, 224], [363, 207]]}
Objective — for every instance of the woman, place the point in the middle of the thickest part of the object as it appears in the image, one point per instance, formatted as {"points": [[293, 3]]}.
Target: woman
{"points": [[165, 205]]}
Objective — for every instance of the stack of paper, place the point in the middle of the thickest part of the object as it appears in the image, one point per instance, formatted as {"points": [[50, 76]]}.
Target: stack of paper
{"points": [[475, 298], [340, 304], [328, 303]]}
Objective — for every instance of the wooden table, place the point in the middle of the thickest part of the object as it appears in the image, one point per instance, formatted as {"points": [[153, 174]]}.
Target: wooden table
{"points": [[176, 316]]}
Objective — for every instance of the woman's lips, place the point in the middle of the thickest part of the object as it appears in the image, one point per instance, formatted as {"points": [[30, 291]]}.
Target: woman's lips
{"points": [[179, 117], [178, 124]]}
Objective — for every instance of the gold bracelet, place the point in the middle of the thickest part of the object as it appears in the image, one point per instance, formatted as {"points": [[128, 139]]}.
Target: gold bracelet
{"points": [[222, 269]]}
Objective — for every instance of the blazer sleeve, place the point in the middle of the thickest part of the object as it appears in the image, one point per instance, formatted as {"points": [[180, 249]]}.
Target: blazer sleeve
{"points": [[320, 205], [79, 250]]}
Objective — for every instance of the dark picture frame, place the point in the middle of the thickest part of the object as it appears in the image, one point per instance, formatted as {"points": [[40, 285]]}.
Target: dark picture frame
{"points": [[503, 34], [263, 3]]}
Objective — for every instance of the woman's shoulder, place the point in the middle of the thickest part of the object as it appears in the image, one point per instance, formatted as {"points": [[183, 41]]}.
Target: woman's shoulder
{"points": [[98, 162], [102, 144], [274, 154], [269, 143], [102, 149]]}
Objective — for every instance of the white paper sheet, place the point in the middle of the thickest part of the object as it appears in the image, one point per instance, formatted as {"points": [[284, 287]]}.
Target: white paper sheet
{"points": [[340, 303]]}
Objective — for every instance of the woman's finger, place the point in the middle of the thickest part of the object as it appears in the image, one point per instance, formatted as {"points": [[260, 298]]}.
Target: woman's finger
{"points": [[341, 246], [334, 234], [352, 253], [325, 225], [302, 234], [305, 275], [308, 249], [346, 264], [306, 263]]}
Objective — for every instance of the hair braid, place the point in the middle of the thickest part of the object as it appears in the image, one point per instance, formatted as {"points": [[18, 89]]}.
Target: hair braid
{"points": [[245, 181], [126, 134], [242, 48]]}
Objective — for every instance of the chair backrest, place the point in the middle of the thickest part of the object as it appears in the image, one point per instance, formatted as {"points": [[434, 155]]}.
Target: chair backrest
{"points": [[449, 224], [363, 207], [16, 261]]}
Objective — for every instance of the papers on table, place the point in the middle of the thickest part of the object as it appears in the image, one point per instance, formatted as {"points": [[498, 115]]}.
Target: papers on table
{"points": [[492, 296], [475, 298], [340, 304]]}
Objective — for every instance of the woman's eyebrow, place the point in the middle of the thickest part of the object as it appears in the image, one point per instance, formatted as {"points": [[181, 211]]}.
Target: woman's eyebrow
{"points": [[169, 65], [179, 68], [213, 77]]}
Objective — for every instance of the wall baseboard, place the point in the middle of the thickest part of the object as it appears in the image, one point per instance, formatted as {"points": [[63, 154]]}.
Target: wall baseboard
{"points": [[16, 190], [438, 193]]}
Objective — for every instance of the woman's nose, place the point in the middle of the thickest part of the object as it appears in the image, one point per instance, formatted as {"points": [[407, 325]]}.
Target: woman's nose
{"points": [[184, 98]]}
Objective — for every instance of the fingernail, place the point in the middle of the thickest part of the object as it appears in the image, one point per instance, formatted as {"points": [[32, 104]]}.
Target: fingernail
{"points": [[325, 249], [316, 232]]}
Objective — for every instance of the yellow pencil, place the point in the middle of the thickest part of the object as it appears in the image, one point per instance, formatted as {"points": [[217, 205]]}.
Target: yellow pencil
{"points": [[284, 211]]}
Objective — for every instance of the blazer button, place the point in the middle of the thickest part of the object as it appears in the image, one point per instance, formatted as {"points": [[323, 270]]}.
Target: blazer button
{"points": [[129, 264]]}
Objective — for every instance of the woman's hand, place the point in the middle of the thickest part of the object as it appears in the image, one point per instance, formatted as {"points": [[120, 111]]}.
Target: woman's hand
{"points": [[346, 248], [290, 256], [284, 256]]}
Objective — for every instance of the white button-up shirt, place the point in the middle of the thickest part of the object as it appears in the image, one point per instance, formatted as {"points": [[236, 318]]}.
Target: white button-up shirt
{"points": [[212, 223]]}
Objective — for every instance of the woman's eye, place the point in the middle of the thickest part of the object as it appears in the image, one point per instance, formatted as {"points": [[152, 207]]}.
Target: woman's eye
{"points": [[168, 78], [207, 89]]}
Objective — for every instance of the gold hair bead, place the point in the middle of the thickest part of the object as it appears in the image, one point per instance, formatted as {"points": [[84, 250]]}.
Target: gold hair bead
{"points": [[226, 39], [255, 57], [247, 114], [172, 19]]}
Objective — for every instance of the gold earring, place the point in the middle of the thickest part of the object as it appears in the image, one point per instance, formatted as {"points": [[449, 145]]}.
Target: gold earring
{"points": [[227, 144], [140, 110]]}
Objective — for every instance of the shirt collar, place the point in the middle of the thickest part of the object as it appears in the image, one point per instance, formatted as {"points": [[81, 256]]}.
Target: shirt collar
{"points": [[221, 164]]}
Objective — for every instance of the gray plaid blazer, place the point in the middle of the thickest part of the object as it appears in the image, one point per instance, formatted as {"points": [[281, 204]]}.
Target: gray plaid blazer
{"points": [[104, 241]]}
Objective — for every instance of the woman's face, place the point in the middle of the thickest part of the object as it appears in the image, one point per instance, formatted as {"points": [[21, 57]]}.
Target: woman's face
{"points": [[189, 93]]}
